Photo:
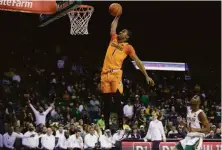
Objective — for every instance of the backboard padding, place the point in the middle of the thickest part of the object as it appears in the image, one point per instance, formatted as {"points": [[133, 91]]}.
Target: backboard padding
{"points": [[62, 10]]}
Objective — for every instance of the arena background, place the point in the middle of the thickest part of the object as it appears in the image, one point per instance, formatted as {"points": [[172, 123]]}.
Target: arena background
{"points": [[162, 31]]}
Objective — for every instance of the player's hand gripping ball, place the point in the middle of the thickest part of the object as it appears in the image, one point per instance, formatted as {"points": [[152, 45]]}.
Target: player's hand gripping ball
{"points": [[115, 9]]}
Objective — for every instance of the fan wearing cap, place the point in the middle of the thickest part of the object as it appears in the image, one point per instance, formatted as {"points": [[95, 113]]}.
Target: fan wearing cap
{"points": [[142, 131], [195, 116]]}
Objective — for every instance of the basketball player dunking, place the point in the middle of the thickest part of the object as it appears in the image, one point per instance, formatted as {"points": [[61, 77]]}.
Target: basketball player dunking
{"points": [[111, 75], [194, 138]]}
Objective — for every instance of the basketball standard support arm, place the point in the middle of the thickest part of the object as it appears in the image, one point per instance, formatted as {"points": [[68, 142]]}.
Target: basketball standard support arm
{"points": [[62, 11]]}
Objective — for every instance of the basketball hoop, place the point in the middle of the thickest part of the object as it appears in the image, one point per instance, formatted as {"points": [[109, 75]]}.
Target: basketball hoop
{"points": [[79, 19]]}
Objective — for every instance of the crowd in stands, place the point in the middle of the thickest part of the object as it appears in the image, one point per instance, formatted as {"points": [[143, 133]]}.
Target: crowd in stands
{"points": [[47, 107]]}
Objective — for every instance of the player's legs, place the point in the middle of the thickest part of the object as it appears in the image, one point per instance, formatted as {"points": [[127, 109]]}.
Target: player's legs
{"points": [[189, 147], [117, 89], [182, 144], [111, 86], [189, 143], [117, 102], [178, 147], [105, 84], [194, 144], [116, 82], [107, 100], [106, 97]]}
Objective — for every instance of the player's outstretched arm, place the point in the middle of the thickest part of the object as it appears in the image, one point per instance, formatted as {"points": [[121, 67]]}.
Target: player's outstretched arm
{"points": [[114, 25], [142, 68]]}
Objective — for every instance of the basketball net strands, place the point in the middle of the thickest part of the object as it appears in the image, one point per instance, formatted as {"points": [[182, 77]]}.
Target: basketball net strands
{"points": [[79, 19], [79, 16]]}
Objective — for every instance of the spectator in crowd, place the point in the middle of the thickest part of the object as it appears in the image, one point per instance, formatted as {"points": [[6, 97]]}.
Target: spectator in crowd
{"points": [[135, 134], [101, 122], [173, 132], [181, 133], [10, 136], [32, 142], [144, 99], [173, 115], [78, 141], [218, 114], [114, 125], [218, 134], [94, 108], [128, 110], [60, 133], [64, 142], [90, 140], [40, 115], [142, 119], [48, 140], [117, 137], [142, 131], [212, 135], [77, 105], [98, 131], [106, 140]]}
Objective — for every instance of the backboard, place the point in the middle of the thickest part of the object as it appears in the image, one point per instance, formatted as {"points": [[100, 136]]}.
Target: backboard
{"points": [[63, 7]]}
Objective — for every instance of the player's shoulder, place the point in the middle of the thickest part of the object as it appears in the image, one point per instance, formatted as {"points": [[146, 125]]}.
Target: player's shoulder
{"points": [[189, 111], [128, 45], [201, 113]]}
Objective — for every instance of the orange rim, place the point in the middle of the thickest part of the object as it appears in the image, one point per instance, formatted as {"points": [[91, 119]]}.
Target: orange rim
{"points": [[81, 11]]}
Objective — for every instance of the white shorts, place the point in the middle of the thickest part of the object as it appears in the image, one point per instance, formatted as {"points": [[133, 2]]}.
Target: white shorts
{"points": [[194, 140]]}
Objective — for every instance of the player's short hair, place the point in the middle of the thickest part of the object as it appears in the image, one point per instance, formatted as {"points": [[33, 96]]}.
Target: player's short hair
{"points": [[129, 33]]}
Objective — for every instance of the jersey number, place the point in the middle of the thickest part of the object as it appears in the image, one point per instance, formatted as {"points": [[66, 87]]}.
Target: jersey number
{"points": [[114, 52]]}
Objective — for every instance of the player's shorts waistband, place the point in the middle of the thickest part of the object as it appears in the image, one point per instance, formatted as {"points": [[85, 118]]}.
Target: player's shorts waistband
{"points": [[112, 70], [195, 134]]}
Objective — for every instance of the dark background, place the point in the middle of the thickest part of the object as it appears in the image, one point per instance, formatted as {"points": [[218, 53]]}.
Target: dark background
{"points": [[162, 31]]}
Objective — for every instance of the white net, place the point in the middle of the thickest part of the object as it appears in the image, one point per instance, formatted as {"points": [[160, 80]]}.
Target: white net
{"points": [[79, 19]]}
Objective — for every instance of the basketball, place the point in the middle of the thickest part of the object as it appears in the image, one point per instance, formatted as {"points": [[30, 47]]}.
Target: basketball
{"points": [[115, 9]]}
